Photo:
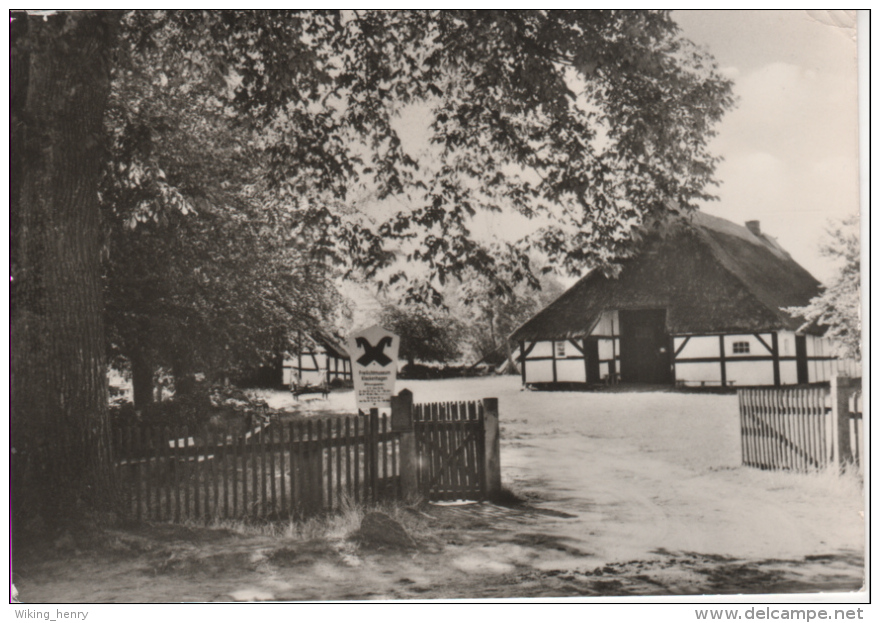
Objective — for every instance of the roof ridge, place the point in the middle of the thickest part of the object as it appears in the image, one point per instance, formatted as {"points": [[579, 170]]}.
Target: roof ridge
{"points": [[722, 225], [568, 292], [716, 249], [735, 266]]}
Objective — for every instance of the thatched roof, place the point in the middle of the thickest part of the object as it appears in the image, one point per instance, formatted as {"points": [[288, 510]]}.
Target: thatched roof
{"points": [[317, 337], [711, 275], [330, 344]]}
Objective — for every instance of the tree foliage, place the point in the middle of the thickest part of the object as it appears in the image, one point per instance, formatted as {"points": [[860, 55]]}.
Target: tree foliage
{"points": [[839, 306], [214, 293], [201, 274], [492, 313], [225, 136], [596, 120], [205, 279], [426, 333]]}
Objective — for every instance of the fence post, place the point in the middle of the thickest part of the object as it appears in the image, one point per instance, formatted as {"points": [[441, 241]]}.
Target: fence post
{"points": [[492, 454], [374, 455], [402, 420], [841, 389]]}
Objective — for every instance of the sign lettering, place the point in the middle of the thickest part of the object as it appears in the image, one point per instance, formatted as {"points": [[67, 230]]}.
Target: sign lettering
{"points": [[374, 366]]}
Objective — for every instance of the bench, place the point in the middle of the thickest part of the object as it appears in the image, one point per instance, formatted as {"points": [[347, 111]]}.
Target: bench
{"points": [[612, 378], [301, 389]]}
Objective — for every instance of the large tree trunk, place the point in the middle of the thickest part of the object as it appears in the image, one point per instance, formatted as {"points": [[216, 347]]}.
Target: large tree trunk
{"points": [[184, 377], [141, 379], [59, 420]]}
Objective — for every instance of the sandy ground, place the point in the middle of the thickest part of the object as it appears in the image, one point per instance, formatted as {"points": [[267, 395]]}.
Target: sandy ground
{"points": [[628, 494]]}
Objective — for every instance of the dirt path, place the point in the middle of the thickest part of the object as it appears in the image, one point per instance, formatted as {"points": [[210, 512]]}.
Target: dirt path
{"points": [[642, 476], [478, 551], [626, 495], [623, 508]]}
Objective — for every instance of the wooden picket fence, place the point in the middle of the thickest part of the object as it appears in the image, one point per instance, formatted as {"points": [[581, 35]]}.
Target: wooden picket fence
{"points": [[298, 469], [785, 428], [857, 427], [277, 470], [797, 429], [439, 451], [450, 442]]}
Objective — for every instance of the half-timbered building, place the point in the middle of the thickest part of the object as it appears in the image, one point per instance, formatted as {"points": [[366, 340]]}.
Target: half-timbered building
{"points": [[316, 360], [702, 304]]}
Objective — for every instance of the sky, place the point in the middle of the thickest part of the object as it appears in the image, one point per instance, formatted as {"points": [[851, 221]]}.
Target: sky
{"points": [[790, 147]]}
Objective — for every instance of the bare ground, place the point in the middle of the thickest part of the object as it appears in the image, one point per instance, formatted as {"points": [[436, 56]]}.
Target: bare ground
{"points": [[467, 552]]}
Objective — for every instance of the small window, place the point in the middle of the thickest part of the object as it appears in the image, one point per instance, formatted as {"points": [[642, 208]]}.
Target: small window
{"points": [[560, 350], [740, 348]]}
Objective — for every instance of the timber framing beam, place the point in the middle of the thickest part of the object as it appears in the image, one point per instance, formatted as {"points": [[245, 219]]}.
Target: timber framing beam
{"points": [[766, 345], [586, 363], [682, 345], [731, 359], [775, 341]]}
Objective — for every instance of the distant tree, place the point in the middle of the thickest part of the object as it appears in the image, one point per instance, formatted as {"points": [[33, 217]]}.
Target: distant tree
{"points": [[839, 306], [426, 334], [493, 309]]}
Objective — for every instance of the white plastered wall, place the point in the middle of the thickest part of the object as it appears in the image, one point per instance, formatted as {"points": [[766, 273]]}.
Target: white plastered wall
{"points": [[737, 373], [741, 373], [570, 370], [697, 346], [697, 372], [749, 372], [540, 371], [609, 324], [569, 367], [787, 373], [307, 376], [786, 343], [606, 349], [755, 347], [541, 349], [608, 330]]}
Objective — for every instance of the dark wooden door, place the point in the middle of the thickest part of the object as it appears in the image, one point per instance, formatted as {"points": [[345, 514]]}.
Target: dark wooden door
{"points": [[592, 354], [644, 346], [800, 351]]}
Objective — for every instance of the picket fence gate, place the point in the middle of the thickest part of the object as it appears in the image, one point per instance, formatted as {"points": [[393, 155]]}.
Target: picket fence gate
{"points": [[450, 442], [797, 429]]}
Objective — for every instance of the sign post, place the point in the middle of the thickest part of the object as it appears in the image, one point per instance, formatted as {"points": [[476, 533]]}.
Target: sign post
{"points": [[374, 366]]}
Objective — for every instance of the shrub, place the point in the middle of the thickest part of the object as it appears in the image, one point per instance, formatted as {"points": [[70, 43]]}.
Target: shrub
{"points": [[205, 408]]}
